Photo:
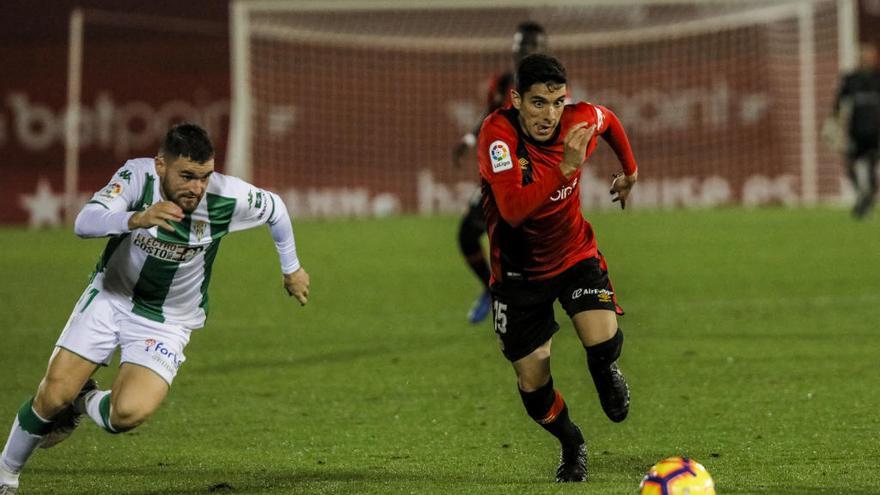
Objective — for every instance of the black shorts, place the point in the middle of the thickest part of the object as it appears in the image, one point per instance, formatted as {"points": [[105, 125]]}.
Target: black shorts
{"points": [[863, 147], [474, 217], [523, 309]]}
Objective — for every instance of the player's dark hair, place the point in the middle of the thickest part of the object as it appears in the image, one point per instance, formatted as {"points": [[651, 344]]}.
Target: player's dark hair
{"points": [[538, 68], [530, 28], [189, 141]]}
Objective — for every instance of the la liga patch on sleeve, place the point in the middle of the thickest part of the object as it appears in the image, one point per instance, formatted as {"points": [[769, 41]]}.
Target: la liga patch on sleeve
{"points": [[499, 153]]}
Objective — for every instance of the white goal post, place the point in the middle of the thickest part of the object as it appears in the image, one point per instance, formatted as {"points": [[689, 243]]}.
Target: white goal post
{"points": [[351, 107]]}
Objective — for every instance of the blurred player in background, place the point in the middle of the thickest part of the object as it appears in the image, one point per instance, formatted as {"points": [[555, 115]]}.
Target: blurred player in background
{"points": [[165, 217], [859, 94], [542, 249], [529, 38]]}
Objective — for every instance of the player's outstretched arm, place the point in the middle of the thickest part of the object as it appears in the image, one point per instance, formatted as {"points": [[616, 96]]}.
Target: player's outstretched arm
{"points": [[296, 280], [615, 136]]}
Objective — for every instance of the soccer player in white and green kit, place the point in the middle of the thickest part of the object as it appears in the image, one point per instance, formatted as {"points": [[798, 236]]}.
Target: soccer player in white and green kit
{"points": [[165, 218]]}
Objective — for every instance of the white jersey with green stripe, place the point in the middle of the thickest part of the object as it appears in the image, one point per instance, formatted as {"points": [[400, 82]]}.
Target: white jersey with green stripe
{"points": [[162, 275]]}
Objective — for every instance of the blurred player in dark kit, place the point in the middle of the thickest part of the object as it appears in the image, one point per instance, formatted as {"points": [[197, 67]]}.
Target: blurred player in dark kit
{"points": [[860, 93], [529, 38]]}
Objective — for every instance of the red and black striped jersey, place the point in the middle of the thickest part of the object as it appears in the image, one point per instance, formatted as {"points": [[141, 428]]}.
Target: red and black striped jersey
{"points": [[533, 212]]}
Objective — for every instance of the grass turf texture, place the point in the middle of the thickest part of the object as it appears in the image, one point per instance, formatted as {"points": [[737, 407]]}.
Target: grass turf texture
{"points": [[751, 345]]}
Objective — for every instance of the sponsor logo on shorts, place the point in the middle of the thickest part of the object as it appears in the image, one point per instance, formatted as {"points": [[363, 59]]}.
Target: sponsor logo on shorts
{"points": [[499, 154], [166, 250], [162, 355], [603, 295]]}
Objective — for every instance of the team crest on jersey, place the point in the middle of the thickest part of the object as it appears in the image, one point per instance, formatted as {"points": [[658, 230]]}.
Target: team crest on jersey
{"points": [[112, 190], [499, 154], [200, 228]]}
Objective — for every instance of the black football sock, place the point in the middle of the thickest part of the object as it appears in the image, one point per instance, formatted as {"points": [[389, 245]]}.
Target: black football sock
{"points": [[602, 355], [547, 407], [478, 264]]}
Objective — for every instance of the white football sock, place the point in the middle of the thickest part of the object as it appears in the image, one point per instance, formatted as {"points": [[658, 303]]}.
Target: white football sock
{"points": [[21, 444], [98, 408]]}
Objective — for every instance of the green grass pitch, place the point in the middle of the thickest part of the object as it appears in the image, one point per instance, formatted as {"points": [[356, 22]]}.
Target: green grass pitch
{"points": [[752, 345]]}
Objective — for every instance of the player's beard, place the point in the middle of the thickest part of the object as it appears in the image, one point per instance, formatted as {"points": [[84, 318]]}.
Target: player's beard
{"points": [[187, 201]]}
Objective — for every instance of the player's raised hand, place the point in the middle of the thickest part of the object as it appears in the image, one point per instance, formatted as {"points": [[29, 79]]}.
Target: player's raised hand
{"points": [[622, 185], [297, 285], [157, 215], [576, 142]]}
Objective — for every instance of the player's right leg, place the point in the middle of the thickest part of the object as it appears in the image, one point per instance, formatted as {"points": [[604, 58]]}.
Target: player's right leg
{"points": [[65, 376], [872, 157], [524, 324], [470, 232], [545, 405]]}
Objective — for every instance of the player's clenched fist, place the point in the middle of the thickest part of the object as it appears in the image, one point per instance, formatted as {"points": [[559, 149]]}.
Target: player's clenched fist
{"points": [[297, 285], [576, 142], [157, 215]]}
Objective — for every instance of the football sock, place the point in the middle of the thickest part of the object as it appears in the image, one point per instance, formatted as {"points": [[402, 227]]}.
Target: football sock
{"points": [[28, 429], [604, 354], [478, 265], [547, 407], [98, 408], [469, 234]]}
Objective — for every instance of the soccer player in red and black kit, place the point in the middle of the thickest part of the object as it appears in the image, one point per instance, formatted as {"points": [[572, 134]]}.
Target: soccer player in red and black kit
{"points": [[542, 249], [529, 38]]}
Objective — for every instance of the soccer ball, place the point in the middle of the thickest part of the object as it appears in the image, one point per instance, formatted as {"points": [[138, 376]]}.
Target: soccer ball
{"points": [[677, 476]]}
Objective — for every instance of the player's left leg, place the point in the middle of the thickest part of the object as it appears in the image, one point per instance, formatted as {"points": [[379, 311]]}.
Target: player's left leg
{"points": [[589, 300], [136, 394], [545, 405], [151, 354], [603, 342], [524, 324]]}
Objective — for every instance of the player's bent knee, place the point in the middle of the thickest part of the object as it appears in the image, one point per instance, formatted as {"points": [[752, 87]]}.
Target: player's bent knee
{"points": [[53, 395], [533, 371], [128, 418]]}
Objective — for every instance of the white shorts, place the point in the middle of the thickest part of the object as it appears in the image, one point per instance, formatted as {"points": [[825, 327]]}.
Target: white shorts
{"points": [[97, 327]]}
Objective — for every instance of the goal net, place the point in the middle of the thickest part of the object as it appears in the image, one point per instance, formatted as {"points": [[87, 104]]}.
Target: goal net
{"points": [[353, 108]]}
